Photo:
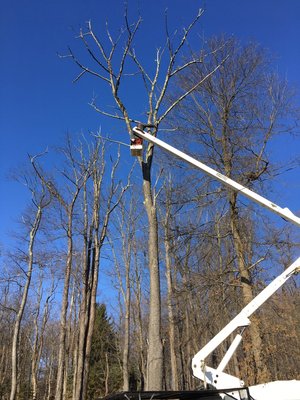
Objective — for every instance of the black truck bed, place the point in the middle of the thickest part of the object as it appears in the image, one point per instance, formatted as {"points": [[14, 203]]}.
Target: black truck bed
{"points": [[211, 394]]}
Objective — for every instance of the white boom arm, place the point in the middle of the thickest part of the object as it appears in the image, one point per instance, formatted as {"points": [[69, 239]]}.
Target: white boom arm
{"points": [[283, 212], [217, 377]]}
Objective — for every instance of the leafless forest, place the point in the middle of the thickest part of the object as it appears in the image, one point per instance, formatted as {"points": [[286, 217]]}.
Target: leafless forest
{"points": [[176, 256]]}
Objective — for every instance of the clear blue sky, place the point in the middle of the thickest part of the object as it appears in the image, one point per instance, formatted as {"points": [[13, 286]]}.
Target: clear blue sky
{"points": [[39, 103]]}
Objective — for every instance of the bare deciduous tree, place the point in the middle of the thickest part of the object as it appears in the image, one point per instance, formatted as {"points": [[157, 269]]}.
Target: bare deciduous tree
{"points": [[94, 232], [233, 116], [170, 286], [110, 67], [75, 179], [40, 200], [125, 229], [39, 331]]}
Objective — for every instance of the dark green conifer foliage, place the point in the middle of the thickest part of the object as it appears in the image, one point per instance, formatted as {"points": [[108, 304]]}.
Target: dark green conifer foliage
{"points": [[105, 375]]}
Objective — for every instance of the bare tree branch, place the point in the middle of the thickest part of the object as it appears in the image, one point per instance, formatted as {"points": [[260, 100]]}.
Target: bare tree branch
{"points": [[188, 92]]}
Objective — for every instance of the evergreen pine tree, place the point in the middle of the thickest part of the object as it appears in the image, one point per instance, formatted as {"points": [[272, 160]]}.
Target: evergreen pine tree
{"points": [[105, 375]]}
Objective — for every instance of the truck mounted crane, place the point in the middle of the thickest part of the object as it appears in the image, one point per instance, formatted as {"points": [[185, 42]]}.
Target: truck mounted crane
{"points": [[216, 377]]}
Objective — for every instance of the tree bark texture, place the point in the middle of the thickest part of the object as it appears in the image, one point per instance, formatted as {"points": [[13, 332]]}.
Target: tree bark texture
{"points": [[64, 311], [155, 348], [260, 370], [172, 338]]}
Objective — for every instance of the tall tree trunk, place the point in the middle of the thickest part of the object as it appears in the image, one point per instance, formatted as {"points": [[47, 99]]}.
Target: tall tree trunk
{"points": [[39, 336], [64, 312], [126, 330], [19, 316], [260, 370], [155, 349], [48, 392], [85, 301], [92, 311], [35, 349], [126, 229], [106, 375], [172, 338], [139, 323], [98, 239]]}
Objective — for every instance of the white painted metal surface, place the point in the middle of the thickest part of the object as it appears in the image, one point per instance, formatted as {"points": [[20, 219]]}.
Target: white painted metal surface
{"points": [[283, 212], [278, 390], [215, 377]]}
